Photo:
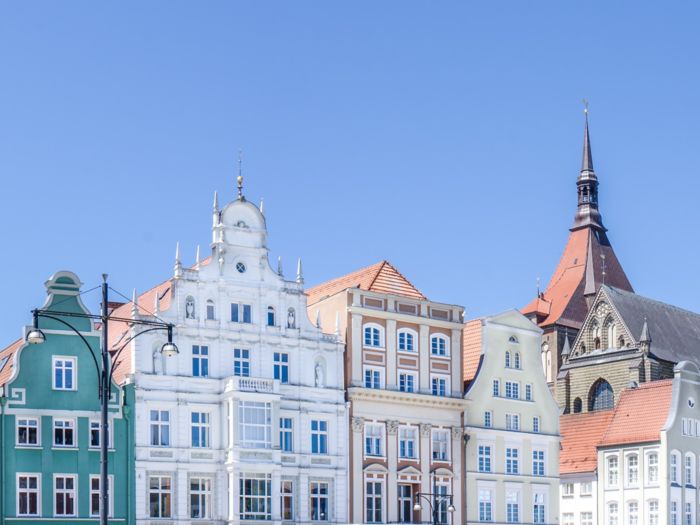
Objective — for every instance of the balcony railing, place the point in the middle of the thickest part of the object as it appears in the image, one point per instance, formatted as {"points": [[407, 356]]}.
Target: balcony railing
{"points": [[253, 384]]}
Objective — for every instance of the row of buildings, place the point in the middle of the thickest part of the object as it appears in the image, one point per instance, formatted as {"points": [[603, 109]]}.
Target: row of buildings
{"points": [[358, 400]]}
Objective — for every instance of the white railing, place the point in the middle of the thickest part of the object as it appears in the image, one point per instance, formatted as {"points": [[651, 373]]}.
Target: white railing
{"points": [[253, 384]]}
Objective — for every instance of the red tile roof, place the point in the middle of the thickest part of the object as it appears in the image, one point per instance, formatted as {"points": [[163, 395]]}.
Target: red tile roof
{"points": [[640, 414], [580, 434], [471, 348], [563, 300], [8, 367], [381, 277]]}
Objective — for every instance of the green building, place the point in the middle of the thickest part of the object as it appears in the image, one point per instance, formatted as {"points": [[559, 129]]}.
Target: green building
{"points": [[49, 423]]}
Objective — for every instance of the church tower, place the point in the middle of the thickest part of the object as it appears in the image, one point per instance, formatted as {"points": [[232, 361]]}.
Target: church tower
{"points": [[588, 262]]}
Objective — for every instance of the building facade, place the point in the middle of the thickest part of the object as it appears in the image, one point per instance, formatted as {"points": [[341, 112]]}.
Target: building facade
{"points": [[511, 424], [49, 424], [588, 261], [403, 380], [249, 422]]}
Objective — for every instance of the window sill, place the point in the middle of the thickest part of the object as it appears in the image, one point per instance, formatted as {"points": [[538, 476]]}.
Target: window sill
{"points": [[57, 447], [29, 447]]}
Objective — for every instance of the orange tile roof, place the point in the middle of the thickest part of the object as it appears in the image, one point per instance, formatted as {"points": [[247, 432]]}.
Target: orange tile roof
{"points": [[10, 352], [381, 277], [580, 434], [471, 348], [640, 414], [563, 300]]}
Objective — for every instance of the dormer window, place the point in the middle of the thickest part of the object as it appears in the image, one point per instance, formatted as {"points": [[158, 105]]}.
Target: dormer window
{"points": [[241, 224]]}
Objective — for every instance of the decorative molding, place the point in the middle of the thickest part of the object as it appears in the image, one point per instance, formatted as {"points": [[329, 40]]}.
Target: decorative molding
{"points": [[358, 424], [18, 396], [457, 432], [392, 427], [425, 429]]}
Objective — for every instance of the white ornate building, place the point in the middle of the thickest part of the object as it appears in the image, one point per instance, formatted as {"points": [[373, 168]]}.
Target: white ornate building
{"points": [[248, 423]]}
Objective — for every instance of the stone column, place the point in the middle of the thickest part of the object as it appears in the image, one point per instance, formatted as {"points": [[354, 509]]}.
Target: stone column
{"points": [[392, 430], [356, 495], [457, 480], [425, 460]]}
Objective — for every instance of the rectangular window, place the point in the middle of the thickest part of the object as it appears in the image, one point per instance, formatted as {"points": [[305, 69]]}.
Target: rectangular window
{"points": [[535, 424], [64, 372], [512, 507], [95, 495], [319, 501], [512, 390], [653, 512], [496, 388], [488, 419], [586, 518], [438, 346], [95, 435], [255, 424], [485, 505], [241, 362], [567, 518], [528, 392], [674, 513], [28, 495], [200, 429], [241, 313], [27, 431], [538, 508], [373, 501], [633, 469], [538, 462], [287, 500], [281, 367], [200, 498], [567, 490], [160, 496], [484, 458], [689, 514], [512, 461], [653, 468], [374, 437], [286, 434], [512, 422], [441, 445], [63, 433], [406, 342], [373, 377], [64, 495], [319, 437], [439, 386], [160, 428], [407, 382], [586, 488], [405, 503], [612, 471], [200, 361], [408, 437], [255, 496], [210, 311]]}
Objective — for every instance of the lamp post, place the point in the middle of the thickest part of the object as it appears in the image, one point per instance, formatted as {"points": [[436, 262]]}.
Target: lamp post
{"points": [[104, 371], [434, 500]]}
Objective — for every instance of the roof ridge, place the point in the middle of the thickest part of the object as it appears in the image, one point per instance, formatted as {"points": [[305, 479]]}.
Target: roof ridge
{"points": [[388, 263], [344, 276], [383, 263], [651, 300]]}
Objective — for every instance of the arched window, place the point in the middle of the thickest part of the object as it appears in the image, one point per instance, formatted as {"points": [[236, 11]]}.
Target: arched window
{"points": [[601, 396], [595, 334], [211, 312], [652, 468], [270, 316], [612, 514], [439, 345], [673, 470], [516, 360], [653, 512], [578, 405], [513, 339], [406, 341], [612, 334], [373, 336], [632, 512], [507, 359], [632, 470]]}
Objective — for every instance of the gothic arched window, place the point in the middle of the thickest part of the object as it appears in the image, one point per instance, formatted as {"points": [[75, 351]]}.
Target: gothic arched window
{"points": [[601, 396], [612, 334]]}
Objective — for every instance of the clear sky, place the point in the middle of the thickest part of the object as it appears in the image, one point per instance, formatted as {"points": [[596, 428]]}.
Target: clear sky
{"points": [[442, 136]]}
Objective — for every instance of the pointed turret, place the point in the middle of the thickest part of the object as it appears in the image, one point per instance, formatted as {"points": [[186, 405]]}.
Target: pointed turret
{"points": [[262, 206], [279, 266], [567, 347], [300, 276], [178, 264], [134, 304], [587, 213], [196, 258]]}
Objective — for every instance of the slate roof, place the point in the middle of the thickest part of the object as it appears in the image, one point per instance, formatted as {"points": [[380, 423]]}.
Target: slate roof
{"points": [[640, 414], [580, 271], [580, 435], [674, 332], [381, 277]]}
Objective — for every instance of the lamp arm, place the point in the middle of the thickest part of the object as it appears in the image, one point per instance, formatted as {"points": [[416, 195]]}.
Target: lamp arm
{"points": [[92, 353], [126, 343]]}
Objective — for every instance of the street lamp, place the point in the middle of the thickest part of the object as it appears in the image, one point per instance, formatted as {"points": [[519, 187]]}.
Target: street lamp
{"points": [[35, 336], [434, 500]]}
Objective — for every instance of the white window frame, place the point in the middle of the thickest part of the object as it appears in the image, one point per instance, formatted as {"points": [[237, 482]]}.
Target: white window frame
{"points": [[74, 372], [485, 457], [512, 390], [538, 462], [240, 313], [612, 475], [632, 512], [439, 454], [210, 310], [588, 490], [652, 480], [160, 492], [485, 505], [319, 434], [567, 490], [374, 440], [243, 360], [612, 518], [261, 479], [374, 371], [513, 422], [28, 490], [437, 378], [512, 460], [287, 499], [632, 470], [408, 434], [200, 357], [27, 426], [446, 342], [536, 424], [414, 340], [203, 427], [248, 427], [381, 498], [381, 336], [496, 388], [539, 500], [72, 427], [407, 374], [97, 422], [202, 494], [513, 498], [110, 480], [67, 492], [284, 430], [280, 367], [689, 467], [528, 392], [652, 517], [488, 419], [159, 424], [316, 496]]}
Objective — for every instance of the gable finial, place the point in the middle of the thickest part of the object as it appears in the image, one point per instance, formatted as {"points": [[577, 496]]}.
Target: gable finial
{"points": [[262, 206], [300, 276], [279, 266], [196, 258], [134, 304], [239, 179], [587, 161], [178, 263], [216, 201]]}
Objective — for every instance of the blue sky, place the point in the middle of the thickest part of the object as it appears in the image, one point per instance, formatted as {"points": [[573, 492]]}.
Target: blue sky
{"points": [[445, 137]]}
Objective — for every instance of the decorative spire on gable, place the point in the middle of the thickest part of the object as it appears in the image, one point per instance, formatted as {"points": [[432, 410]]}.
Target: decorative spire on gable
{"points": [[300, 275], [587, 213], [239, 179], [178, 263], [645, 338]]}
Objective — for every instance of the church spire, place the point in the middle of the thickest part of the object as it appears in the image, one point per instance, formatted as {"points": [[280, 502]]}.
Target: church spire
{"points": [[587, 213]]}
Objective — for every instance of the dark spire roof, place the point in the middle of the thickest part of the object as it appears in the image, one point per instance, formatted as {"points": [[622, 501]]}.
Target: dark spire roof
{"points": [[645, 337], [567, 347], [587, 213]]}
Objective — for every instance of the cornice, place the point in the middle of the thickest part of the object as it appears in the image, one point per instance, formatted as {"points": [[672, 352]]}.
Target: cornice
{"points": [[405, 318], [392, 396]]}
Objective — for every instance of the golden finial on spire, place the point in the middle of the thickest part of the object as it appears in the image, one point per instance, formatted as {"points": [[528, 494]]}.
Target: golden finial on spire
{"points": [[239, 179]]}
